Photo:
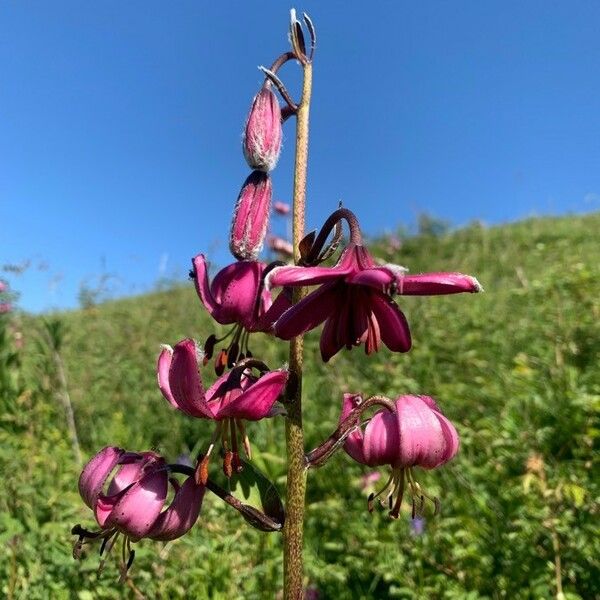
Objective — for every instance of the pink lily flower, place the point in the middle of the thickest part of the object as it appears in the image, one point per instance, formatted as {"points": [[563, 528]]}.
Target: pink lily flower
{"points": [[236, 396], [237, 296], [355, 301], [416, 433], [134, 499]]}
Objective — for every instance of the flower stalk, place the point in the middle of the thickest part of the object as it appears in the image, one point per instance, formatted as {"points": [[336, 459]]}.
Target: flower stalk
{"points": [[294, 433]]}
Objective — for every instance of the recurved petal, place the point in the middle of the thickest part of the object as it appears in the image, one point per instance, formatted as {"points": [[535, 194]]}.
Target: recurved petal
{"points": [[424, 439], [310, 312], [96, 472], [202, 286], [393, 325], [381, 441], [256, 401], [432, 284], [135, 510], [235, 289], [379, 278], [182, 513], [162, 370], [281, 276], [354, 442], [331, 342], [267, 319], [185, 385]]}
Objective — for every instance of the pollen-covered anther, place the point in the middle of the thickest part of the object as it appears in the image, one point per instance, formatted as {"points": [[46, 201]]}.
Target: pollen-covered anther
{"points": [[227, 464]]}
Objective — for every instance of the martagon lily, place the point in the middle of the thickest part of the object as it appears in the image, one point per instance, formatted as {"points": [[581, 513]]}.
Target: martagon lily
{"points": [[133, 502], [234, 397], [413, 433], [355, 296], [237, 296]]}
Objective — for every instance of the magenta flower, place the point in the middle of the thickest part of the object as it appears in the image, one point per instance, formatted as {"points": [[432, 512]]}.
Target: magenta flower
{"points": [[236, 396], [355, 301], [237, 296], [415, 434], [134, 499], [251, 216], [263, 131]]}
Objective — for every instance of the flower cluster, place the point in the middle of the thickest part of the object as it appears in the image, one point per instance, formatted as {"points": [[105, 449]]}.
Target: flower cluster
{"points": [[127, 492], [354, 299]]}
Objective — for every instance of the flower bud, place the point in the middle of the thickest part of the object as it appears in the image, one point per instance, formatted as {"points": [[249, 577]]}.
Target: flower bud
{"points": [[251, 217], [262, 135], [281, 246], [281, 208]]}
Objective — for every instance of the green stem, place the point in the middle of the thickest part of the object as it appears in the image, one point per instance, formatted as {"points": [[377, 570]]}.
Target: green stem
{"points": [[294, 433]]}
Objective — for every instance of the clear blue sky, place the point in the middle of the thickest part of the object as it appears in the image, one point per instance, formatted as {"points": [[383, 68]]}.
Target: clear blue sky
{"points": [[120, 124]]}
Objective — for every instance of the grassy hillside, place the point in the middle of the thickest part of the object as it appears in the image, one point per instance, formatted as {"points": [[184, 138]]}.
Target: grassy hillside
{"points": [[516, 369]]}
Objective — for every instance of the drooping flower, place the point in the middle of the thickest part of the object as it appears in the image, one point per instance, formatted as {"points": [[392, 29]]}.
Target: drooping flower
{"points": [[234, 397], [263, 132], [415, 434], [127, 492], [355, 301], [237, 296], [251, 216]]}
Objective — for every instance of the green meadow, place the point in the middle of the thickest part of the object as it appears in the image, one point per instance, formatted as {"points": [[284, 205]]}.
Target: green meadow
{"points": [[516, 369]]}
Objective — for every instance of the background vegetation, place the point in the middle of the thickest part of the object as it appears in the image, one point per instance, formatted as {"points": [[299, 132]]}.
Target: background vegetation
{"points": [[516, 369]]}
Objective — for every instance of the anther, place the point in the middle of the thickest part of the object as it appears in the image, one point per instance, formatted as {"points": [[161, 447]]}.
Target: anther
{"points": [[227, 459], [209, 347], [221, 362], [232, 354], [370, 501]]}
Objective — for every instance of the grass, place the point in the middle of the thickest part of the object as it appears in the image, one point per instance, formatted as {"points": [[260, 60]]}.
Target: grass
{"points": [[516, 369]]}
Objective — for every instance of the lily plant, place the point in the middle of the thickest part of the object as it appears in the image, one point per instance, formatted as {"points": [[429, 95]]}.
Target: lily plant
{"points": [[331, 281]]}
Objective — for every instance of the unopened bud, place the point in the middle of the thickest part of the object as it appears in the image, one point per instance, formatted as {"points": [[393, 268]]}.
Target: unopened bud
{"points": [[281, 208], [282, 246], [251, 217], [262, 135]]}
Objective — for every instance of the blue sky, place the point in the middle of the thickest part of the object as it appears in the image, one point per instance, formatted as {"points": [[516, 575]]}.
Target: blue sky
{"points": [[121, 124]]}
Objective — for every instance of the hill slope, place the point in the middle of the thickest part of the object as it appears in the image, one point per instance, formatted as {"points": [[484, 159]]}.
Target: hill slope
{"points": [[515, 368]]}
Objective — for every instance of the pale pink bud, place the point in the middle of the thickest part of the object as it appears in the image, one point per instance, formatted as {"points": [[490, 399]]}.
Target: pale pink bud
{"points": [[281, 208], [280, 245], [262, 135], [251, 217]]}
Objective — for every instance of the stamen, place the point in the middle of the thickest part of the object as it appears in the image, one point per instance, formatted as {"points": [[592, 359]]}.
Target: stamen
{"points": [[232, 354], [370, 502], [227, 459], [209, 347], [109, 546], [201, 475], [383, 489], [245, 438], [237, 465], [399, 490], [221, 362], [105, 542]]}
